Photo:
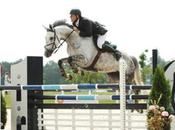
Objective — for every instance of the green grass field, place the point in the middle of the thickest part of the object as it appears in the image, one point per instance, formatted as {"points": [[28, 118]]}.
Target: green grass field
{"points": [[8, 100]]}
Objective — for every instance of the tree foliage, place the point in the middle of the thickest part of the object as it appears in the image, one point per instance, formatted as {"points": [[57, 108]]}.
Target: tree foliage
{"points": [[146, 69], [143, 59], [146, 66], [160, 91], [5, 68], [51, 74]]}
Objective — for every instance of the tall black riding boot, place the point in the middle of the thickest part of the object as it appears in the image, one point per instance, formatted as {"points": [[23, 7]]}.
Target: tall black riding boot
{"points": [[109, 48], [112, 45]]}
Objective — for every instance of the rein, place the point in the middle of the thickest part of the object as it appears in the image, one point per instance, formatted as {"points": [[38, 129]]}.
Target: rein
{"points": [[53, 43], [57, 47]]}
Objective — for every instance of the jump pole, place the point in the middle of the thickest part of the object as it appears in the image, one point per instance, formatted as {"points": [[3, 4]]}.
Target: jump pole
{"points": [[154, 59]]}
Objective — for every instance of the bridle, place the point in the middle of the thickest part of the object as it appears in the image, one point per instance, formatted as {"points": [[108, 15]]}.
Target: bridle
{"points": [[55, 48]]}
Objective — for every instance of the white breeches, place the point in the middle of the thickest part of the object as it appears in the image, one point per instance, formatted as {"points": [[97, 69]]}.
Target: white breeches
{"points": [[100, 40]]}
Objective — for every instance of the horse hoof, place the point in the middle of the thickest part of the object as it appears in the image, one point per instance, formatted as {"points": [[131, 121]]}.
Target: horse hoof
{"points": [[69, 77]]}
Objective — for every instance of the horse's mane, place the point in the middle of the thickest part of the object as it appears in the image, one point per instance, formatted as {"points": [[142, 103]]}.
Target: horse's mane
{"points": [[61, 22]]}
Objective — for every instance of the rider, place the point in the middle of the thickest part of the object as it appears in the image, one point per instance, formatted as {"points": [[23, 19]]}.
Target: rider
{"points": [[88, 28]]}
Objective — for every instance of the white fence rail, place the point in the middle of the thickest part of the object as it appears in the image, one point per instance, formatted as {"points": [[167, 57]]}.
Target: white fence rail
{"points": [[89, 119]]}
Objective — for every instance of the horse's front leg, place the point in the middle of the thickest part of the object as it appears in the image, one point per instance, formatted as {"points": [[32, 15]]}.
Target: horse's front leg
{"points": [[60, 64], [72, 64], [77, 61]]}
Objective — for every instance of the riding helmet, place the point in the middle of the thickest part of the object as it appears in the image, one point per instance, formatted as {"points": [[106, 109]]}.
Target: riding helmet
{"points": [[75, 12]]}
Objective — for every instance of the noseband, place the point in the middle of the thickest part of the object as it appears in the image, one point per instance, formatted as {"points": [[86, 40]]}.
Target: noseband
{"points": [[55, 48]]}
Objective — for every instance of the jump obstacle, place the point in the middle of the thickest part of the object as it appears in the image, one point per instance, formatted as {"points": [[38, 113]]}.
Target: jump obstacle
{"points": [[28, 99]]}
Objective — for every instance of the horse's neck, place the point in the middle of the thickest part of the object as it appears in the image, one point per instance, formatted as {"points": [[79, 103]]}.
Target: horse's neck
{"points": [[77, 45], [63, 31]]}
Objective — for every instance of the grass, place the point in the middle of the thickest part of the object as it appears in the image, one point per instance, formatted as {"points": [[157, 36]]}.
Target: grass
{"points": [[8, 100]]}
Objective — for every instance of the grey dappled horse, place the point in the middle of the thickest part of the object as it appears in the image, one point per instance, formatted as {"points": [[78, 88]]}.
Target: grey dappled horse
{"points": [[84, 55]]}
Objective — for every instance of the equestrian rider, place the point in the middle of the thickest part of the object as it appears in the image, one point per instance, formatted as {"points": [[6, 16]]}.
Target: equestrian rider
{"points": [[88, 28]]}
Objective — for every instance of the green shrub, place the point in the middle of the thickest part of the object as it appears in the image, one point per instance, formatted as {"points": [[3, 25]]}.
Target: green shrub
{"points": [[3, 112], [160, 91]]}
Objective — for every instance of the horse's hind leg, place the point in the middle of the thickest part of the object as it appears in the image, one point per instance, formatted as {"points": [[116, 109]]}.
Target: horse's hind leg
{"points": [[113, 77], [137, 74]]}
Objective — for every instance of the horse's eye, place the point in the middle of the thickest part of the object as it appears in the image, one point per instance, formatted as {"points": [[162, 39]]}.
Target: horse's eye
{"points": [[51, 38]]}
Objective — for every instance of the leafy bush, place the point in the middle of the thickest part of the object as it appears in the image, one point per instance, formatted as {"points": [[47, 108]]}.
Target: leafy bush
{"points": [[161, 87], [158, 116], [3, 112]]}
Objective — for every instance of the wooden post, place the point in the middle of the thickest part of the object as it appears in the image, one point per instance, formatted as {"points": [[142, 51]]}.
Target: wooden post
{"points": [[154, 59]]}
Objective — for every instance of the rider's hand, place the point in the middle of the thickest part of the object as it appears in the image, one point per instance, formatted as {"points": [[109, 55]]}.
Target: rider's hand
{"points": [[76, 29]]}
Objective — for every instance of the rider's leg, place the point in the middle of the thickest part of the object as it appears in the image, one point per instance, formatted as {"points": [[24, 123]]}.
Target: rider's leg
{"points": [[113, 46], [100, 40], [110, 48], [105, 45]]}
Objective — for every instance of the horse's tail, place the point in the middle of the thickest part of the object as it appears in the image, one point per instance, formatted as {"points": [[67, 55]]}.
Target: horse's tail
{"points": [[137, 73]]}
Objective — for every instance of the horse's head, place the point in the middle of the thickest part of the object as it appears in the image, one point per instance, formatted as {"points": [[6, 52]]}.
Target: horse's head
{"points": [[50, 41], [55, 37]]}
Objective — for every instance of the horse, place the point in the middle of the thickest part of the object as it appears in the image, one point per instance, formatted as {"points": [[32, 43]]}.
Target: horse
{"points": [[84, 55]]}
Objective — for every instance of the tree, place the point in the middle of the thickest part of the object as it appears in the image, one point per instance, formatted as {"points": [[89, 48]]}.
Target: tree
{"points": [[5, 68], [146, 66], [143, 59], [51, 74], [146, 70], [160, 91]]}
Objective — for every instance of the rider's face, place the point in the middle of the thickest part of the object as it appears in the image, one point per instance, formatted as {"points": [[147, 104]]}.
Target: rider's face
{"points": [[73, 18]]}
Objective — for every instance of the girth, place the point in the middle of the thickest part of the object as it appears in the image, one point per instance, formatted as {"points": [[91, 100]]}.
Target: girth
{"points": [[91, 67]]}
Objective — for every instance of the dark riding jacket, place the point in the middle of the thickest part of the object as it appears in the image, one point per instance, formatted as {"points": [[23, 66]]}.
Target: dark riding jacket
{"points": [[87, 28]]}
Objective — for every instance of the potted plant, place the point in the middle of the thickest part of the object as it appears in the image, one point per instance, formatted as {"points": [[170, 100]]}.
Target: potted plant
{"points": [[158, 116]]}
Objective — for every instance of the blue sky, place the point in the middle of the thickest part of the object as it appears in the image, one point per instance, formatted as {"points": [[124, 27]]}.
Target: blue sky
{"points": [[134, 25]]}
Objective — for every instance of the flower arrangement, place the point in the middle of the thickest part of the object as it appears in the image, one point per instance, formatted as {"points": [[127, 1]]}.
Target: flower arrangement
{"points": [[158, 118]]}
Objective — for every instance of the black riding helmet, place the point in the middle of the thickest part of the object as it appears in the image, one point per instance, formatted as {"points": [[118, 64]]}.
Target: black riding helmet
{"points": [[75, 12]]}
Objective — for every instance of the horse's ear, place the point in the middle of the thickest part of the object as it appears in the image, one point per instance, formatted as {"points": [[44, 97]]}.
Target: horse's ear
{"points": [[45, 27], [51, 27]]}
